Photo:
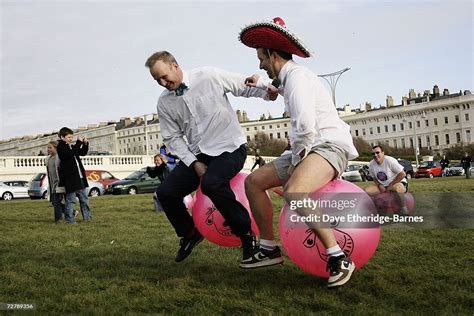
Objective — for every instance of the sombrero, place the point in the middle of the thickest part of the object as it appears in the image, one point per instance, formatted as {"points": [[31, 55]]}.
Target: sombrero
{"points": [[273, 34]]}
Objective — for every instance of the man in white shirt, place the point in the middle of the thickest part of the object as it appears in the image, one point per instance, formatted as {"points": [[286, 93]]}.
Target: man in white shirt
{"points": [[389, 176], [321, 145], [199, 125]]}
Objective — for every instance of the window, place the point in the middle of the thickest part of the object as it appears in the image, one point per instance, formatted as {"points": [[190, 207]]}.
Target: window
{"points": [[436, 140], [418, 124], [395, 143], [270, 127], [410, 125], [248, 129], [285, 125], [402, 127], [386, 128], [378, 129], [466, 117], [278, 135], [446, 121], [286, 134], [371, 131], [427, 123], [435, 122], [271, 135], [363, 132], [278, 125], [447, 139], [394, 127], [357, 132], [263, 127], [248, 138], [468, 136], [458, 137], [403, 142], [428, 141], [255, 128], [456, 118]]}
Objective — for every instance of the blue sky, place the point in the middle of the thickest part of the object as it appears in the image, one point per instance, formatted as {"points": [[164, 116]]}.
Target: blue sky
{"points": [[73, 63]]}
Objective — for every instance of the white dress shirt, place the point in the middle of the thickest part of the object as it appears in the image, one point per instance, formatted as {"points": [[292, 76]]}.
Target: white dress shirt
{"points": [[313, 116], [202, 119]]}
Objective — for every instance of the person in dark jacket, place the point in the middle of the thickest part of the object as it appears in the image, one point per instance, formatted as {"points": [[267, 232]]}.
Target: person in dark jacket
{"points": [[160, 171], [445, 165], [258, 161], [466, 164], [72, 175]]}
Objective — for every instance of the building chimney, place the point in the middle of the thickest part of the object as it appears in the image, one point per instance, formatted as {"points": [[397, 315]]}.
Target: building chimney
{"points": [[435, 91], [286, 114], [445, 92], [244, 117], [411, 94], [239, 116], [125, 121], [389, 101], [404, 101]]}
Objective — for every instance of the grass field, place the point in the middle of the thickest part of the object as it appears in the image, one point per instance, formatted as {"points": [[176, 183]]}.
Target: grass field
{"points": [[123, 262]]}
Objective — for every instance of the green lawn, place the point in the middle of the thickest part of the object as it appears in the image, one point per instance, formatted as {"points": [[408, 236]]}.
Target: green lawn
{"points": [[123, 262]]}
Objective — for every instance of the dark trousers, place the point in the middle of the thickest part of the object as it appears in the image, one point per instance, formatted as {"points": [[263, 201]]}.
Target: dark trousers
{"points": [[214, 183]]}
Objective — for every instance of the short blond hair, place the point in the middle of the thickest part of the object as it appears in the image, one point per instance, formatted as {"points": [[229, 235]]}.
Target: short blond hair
{"points": [[164, 56]]}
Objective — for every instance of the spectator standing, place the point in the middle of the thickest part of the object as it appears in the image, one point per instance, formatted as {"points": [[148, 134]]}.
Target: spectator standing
{"points": [[466, 164]]}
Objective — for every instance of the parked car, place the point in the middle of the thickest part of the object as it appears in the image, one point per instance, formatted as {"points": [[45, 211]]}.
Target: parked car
{"points": [[137, 182], [429, 169], [101, 176], [10, 192], [407, 167], [357, 172], [456, 170], [38, 188], [17, 183]]}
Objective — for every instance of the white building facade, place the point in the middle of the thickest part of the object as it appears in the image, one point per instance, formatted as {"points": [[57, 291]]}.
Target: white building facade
{"points": [[431, 121]]}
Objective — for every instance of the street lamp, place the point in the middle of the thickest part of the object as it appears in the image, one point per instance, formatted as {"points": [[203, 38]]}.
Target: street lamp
{"points": [[332, 81], [146, 132], [415, 138]]}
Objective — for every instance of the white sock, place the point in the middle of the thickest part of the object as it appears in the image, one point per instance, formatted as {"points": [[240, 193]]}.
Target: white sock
{"points": [[268, 244], [334, 251]]}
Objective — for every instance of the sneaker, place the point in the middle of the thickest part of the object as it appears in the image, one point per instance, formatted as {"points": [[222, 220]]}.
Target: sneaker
{"points": [[249, 246], [76, 212], [340, 269], [262, 258], [186, 245]]}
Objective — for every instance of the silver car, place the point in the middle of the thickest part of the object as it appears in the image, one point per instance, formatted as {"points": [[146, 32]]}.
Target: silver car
{"points": [[10, 192], [39, 187]]}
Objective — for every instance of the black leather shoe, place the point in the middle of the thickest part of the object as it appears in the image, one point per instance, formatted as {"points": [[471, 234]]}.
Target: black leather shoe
{"points": [[186, 245]]}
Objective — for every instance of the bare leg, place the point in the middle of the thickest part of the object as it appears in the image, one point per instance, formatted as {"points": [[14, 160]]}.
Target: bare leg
{"points": [[310, 175], [256, 185]]}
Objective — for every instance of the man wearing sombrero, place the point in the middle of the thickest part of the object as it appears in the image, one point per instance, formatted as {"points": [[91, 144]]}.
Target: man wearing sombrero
{"points": [[321, 144]]}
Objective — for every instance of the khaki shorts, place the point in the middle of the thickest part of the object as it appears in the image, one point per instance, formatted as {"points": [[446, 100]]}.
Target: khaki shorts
{"points": [[334, 154]]}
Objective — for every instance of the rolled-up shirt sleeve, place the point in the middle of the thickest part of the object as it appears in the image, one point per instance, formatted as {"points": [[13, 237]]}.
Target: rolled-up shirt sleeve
{"points": [[173, 136], [235, 84]]}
